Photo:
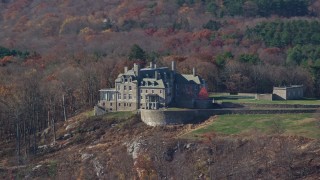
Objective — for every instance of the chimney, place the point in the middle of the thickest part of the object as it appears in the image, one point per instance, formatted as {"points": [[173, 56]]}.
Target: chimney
{"points": [[136, 69], [173, 66], [155, 66], [156, 75], [151, 65], [194, 71], [125, 69]]}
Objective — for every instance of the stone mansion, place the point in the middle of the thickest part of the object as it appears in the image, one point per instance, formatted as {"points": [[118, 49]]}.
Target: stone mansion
{"points": [[152, 88]]}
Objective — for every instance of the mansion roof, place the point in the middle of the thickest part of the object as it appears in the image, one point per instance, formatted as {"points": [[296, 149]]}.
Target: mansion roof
{"points": [[157, 77]]}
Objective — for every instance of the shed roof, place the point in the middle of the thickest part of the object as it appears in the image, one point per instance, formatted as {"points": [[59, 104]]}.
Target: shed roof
{"points": [[288, 87]]}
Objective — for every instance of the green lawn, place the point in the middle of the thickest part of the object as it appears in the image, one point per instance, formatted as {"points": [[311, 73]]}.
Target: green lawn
{"points": [[119, 114], [251, 99], [289, 124]]}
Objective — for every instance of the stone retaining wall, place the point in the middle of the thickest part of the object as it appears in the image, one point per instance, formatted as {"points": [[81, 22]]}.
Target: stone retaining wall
{"points": [[279, 105], [247, 94], [254, 111], [267, 97], [167, 117], [98, 111]]}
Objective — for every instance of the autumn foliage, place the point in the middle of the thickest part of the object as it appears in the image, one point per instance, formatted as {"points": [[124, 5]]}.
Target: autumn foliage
{"points": [[56, 55], [203, 94]]}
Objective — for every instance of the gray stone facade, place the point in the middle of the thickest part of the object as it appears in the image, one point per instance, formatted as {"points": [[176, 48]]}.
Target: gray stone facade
{"points": [[151, 88]]}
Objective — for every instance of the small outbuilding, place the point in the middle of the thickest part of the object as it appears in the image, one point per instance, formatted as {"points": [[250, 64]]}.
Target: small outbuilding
{"points": [[288, 92]]}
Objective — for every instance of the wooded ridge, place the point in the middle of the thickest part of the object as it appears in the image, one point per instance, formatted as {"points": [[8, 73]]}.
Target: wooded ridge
{"points": [[55, 55]]}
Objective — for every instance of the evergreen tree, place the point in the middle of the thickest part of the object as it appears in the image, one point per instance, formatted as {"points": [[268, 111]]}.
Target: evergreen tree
{"points": [[137, 53]]}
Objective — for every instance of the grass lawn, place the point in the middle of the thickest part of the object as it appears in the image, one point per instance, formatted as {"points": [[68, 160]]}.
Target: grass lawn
{"points": [[251, 99], [89, 113], [289, 124], [119, 114]]}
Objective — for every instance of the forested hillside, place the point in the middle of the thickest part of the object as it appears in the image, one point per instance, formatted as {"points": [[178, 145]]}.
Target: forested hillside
{"points": [[55, 55]]}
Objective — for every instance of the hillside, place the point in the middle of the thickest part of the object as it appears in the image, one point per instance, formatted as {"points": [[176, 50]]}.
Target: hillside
{"points": [[74, 48], [55, 56], [120, 146], [210, 34]]}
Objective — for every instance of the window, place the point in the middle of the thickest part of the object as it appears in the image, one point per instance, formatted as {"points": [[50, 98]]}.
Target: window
{"points": [[152, 91], [110, 104], [124, 87], [130, 96], [130, 104], [119, 104], [146, 91], [119, 96], [124, 96], [160, 91], [130, 88], [141, 97], [124, 104]]}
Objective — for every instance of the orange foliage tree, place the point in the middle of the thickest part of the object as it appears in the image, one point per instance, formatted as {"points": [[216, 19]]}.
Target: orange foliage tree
{"points": [[203, 94]]}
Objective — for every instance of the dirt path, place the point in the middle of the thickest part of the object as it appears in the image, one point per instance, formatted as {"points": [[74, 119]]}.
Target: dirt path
{"points": [[192, 127]]}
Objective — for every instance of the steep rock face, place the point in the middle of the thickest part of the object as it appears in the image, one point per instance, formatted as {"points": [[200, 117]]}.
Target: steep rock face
{"points": [[260, 157], [135, 147], [127, 148]]}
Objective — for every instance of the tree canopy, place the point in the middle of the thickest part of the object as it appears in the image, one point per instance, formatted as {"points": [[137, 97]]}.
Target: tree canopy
{"points": [[137, 53]]}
